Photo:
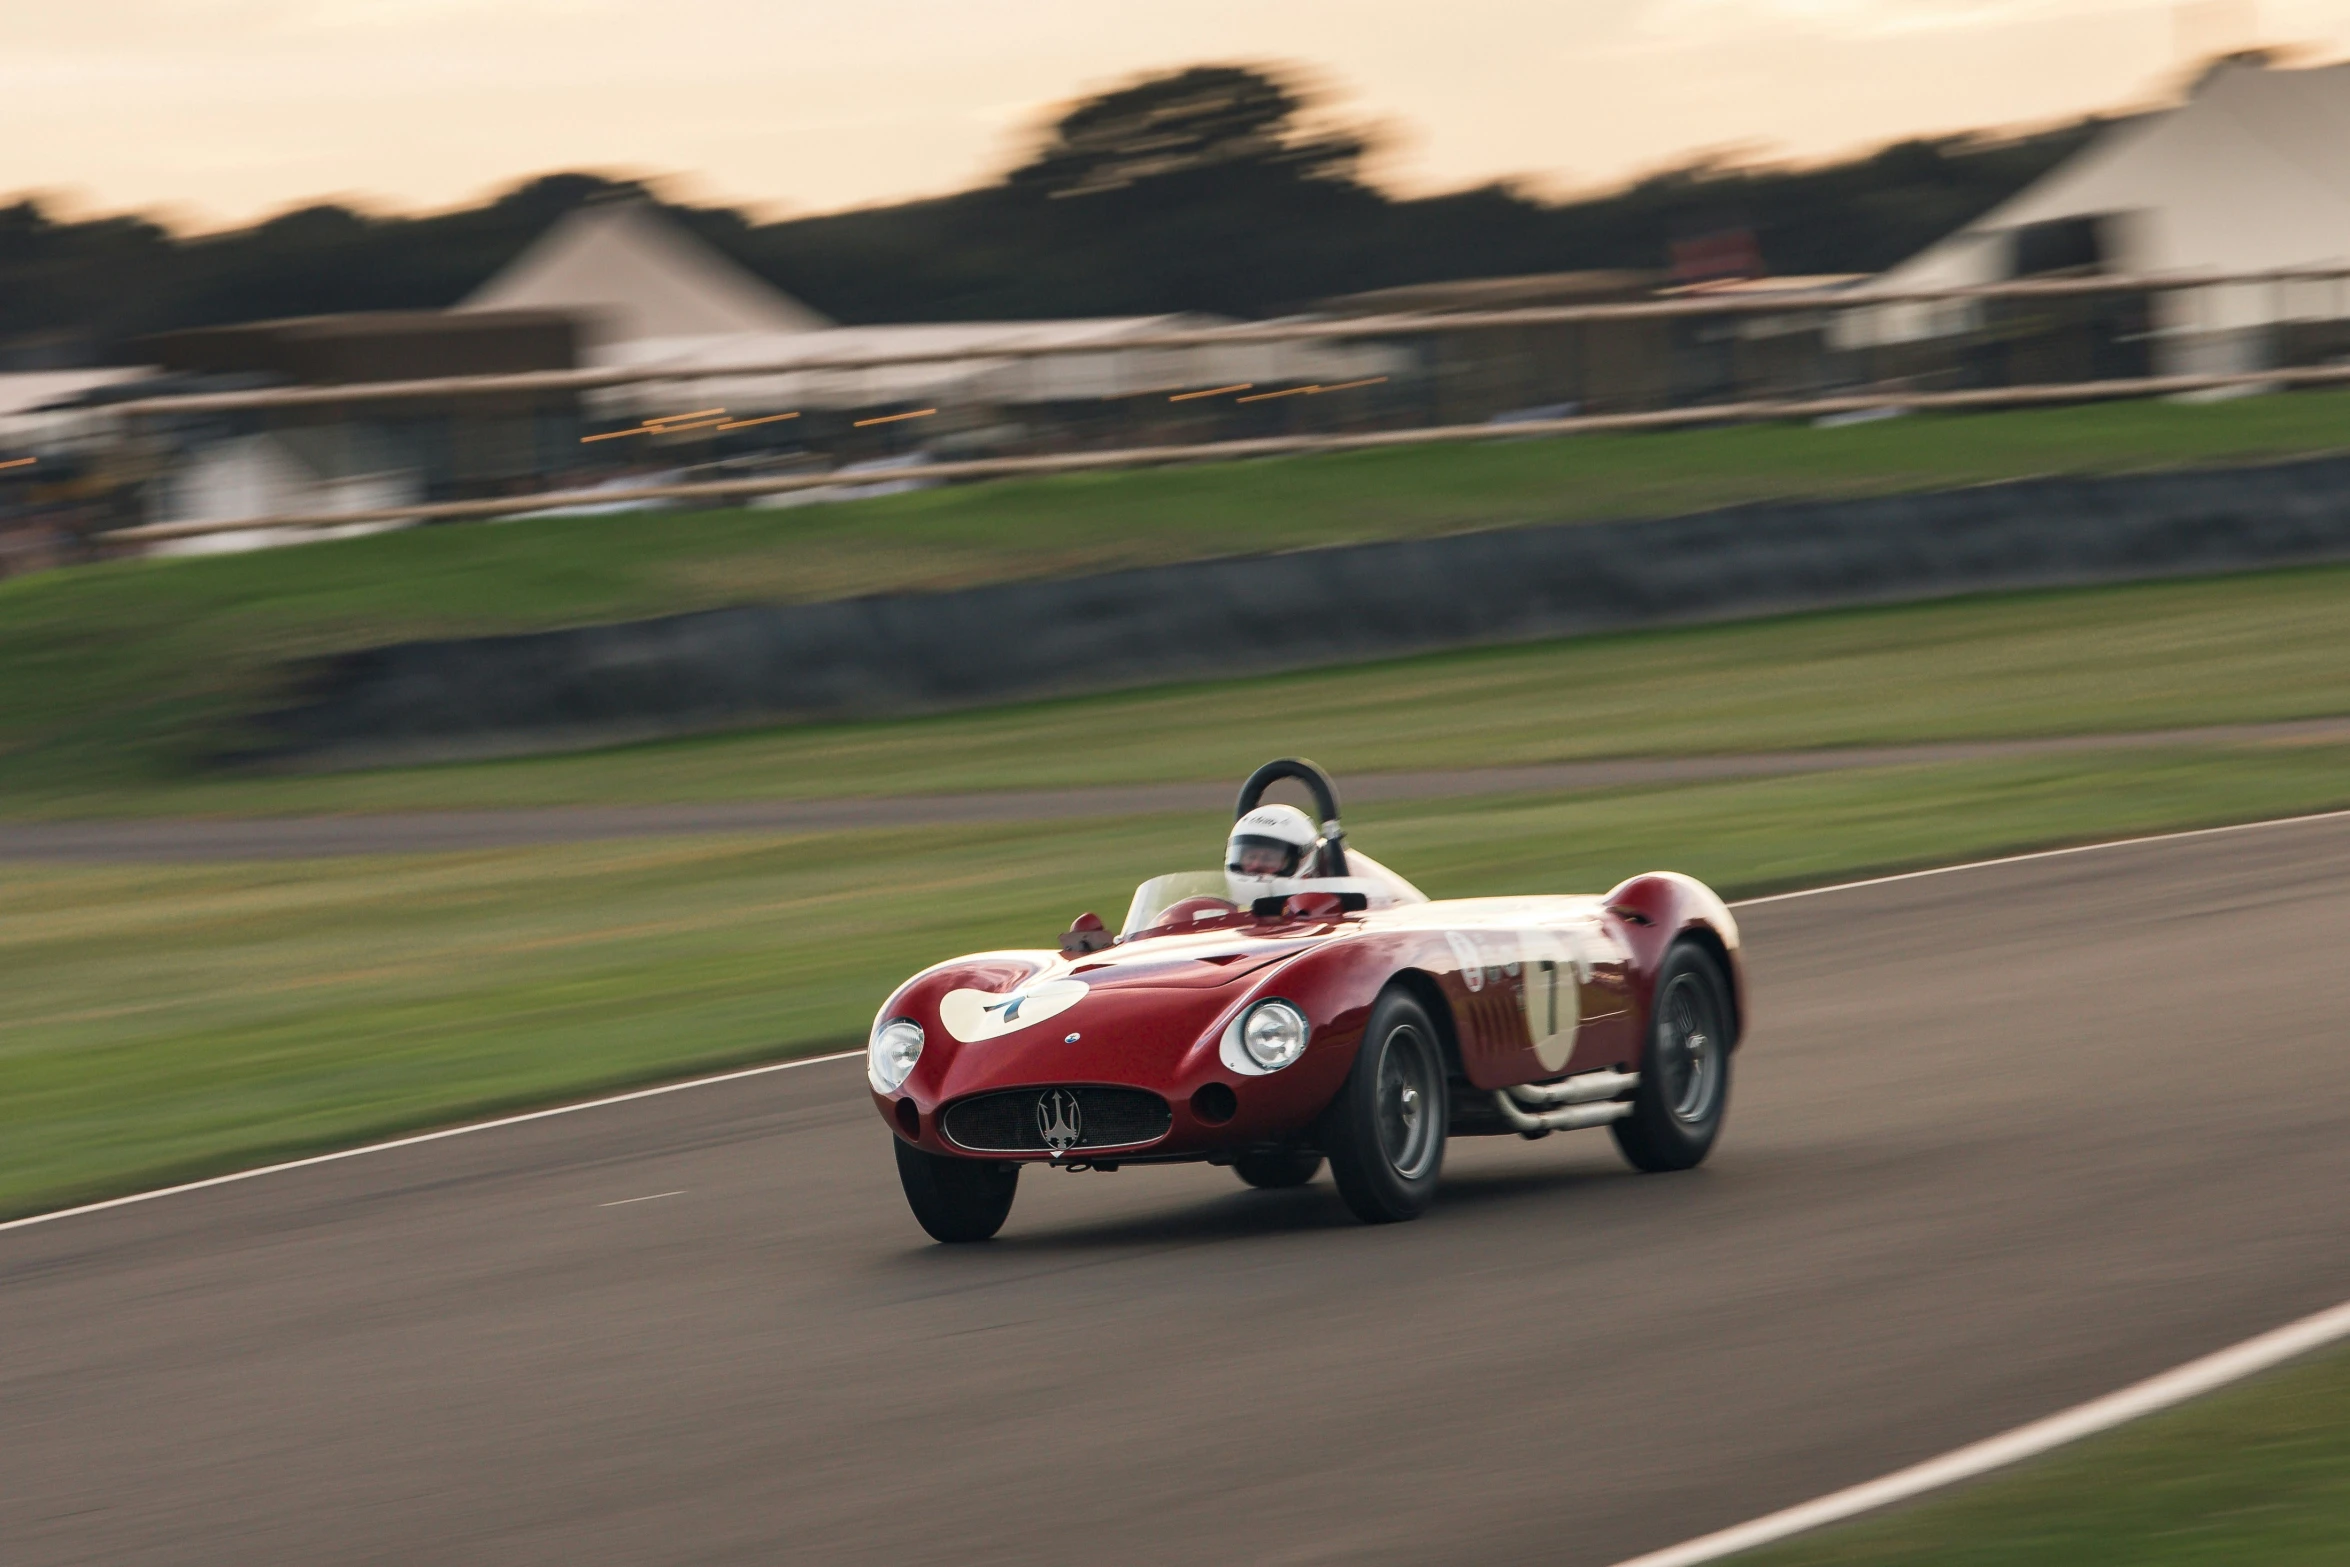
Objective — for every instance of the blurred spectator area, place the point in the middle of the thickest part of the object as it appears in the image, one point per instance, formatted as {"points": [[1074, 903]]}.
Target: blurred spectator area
{"points": [[664, 361], [1586, 366], [328, 458], [1610, 365]]}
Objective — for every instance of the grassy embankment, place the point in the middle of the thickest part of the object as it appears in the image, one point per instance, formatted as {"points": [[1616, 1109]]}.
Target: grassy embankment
{"points": [[2256, 1476], [115, 680], [2150, 656]]}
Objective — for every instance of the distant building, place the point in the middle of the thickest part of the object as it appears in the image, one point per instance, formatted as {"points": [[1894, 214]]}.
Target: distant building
{"points": [[647, 293], [626, 274], [332, 458], [1528, 372], [375, 345], [1623, 365], [2250, 174]]}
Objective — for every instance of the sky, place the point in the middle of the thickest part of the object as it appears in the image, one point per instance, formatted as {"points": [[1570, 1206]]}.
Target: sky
{"points": [[214, 112]]}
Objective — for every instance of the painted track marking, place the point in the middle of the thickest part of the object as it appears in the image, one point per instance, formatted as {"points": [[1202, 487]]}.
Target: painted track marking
{"points": [[2176, 1386], [423, 1137], [2039, 854]]}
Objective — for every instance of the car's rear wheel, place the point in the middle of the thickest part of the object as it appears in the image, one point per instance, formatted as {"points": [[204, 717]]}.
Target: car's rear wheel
{"points": [[956, 1200], [1275, 1169], [1684, 1068], [1385, 1131]]}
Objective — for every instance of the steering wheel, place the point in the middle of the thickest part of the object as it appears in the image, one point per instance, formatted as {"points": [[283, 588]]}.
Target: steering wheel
{"points": [[1252, 793]]}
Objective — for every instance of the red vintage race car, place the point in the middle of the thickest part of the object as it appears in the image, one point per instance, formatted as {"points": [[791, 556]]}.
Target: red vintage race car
{"points": [[1305, 1003]]}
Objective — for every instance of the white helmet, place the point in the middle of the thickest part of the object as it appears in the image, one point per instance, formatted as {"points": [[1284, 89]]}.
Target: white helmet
{"points": [[1270, 849]]}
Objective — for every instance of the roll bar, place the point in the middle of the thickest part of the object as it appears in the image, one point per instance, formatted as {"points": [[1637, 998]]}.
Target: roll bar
{"points": [[1252, 793]]}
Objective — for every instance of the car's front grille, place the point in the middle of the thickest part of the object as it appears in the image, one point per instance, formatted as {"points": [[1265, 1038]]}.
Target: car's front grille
{"points": [[1036, 1120]]}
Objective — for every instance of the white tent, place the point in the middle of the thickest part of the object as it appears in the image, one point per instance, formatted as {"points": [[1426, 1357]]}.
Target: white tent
{"points": [[2250, 174], [630, 274], [272, 476]]}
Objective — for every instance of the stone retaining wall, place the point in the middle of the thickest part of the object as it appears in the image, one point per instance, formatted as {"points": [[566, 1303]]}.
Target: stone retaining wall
{"points": [[914, 653]]}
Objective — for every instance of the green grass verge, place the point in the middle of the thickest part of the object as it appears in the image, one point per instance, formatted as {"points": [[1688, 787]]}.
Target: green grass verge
{"points": [[2155, 655], [118, 677], [2254, 1476], [167, 1021]]}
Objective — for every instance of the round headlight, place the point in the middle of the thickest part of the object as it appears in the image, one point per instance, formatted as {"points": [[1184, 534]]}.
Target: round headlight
{"points": [[1274, 1035], [896, 1046]]}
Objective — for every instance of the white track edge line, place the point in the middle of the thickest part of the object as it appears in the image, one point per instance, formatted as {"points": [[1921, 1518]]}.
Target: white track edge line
{"points": [[2156, 1393], [423, 1137], [785, 1066], [2039, 854]]}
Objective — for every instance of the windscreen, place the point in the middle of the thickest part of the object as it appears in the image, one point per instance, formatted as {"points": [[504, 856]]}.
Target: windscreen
{"points": [[1160, 893]]}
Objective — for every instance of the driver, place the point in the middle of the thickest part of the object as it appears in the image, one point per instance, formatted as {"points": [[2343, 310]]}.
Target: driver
{"points": [[1271, 848]]}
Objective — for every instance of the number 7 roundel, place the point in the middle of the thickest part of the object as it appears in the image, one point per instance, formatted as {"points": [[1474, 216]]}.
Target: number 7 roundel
{"points": [[1552, 993]]}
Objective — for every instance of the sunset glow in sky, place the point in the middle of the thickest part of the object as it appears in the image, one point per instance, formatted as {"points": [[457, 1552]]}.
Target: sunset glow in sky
{"points": [[221, 110]]}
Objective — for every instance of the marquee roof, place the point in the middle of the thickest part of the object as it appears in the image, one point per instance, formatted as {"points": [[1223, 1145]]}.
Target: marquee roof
{"points": [[630, 274]]}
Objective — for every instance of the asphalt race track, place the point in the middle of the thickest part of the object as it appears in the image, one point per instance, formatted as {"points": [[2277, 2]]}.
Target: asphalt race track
{"points": [[2001, 1140]]}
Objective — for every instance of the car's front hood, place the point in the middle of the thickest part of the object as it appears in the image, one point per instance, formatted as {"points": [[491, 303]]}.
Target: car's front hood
{"points": [[1186, 970], [1061, 1031], [1206, 961]]}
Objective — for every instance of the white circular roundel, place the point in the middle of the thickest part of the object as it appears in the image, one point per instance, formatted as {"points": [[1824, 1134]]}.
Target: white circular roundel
{"points": [[1551, 996], [974, 1015]]}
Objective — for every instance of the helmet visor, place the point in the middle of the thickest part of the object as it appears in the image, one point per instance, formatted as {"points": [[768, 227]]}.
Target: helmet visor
{"points": [[1251, 855]]}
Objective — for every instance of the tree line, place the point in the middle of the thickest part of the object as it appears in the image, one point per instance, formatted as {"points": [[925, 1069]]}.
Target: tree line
{"points": [[1215, 188]]}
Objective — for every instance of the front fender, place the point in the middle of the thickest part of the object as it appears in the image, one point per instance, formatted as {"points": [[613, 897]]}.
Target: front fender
{"points": [[1657, 909]]}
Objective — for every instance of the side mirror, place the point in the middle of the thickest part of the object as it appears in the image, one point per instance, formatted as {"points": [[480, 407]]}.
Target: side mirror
{"points": [[1085, 934]]}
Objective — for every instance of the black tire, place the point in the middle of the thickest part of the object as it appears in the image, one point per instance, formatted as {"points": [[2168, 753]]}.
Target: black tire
{"points": [[1684, 1067], [956, 1200], [1276, 1170], [1385, 1131]]}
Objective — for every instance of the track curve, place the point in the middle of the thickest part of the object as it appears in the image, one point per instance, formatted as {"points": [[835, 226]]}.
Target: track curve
{"points": [[2004, 1139]]}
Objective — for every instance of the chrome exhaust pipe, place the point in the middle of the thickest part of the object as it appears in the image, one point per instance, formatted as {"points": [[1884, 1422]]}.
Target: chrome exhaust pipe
{"points": [[1570, 1118], [1578, 1090]]}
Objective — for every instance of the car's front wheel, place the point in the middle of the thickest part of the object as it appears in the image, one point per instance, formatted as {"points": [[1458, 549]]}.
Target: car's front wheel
{"points": [[1385, 1131], [956, 1200], [1684, 1068]]}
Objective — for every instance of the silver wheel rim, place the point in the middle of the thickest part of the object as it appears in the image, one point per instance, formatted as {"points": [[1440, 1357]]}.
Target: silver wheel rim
{"points": [[1688, 1050], [1406, 1103]]}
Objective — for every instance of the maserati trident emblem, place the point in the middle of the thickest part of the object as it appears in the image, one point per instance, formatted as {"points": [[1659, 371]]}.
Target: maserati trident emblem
{"points": [[1058, 1121]]}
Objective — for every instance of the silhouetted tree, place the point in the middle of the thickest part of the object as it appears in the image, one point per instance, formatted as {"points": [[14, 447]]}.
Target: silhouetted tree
{"points": [[1203, 189], [1214, 120]]}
